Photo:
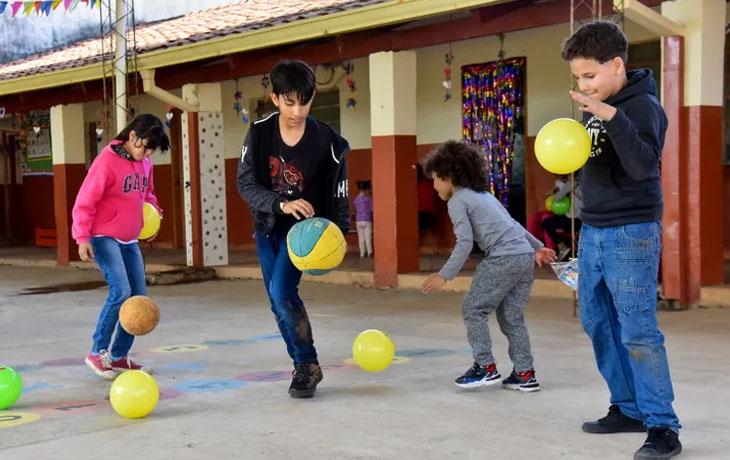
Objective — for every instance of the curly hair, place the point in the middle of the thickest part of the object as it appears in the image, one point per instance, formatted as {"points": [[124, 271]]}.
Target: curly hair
{"points": [[460, 162], [599, 40]]}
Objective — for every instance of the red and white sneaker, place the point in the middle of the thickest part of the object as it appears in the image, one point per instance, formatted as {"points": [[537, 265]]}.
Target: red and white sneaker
{"points": [[101, 365], [127, 364]]}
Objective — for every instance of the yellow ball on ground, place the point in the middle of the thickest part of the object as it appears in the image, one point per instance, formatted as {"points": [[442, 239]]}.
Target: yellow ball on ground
{"points": [[139, 315], [373, 350], [134, 394]]}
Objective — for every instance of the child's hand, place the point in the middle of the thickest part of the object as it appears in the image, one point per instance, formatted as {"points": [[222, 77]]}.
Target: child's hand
{"points": [[433, 283], [544, 256], [298, 208], [588, 104], [86, 252]]}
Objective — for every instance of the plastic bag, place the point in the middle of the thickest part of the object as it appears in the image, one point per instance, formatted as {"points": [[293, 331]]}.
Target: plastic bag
{"points": [[567, 272]]}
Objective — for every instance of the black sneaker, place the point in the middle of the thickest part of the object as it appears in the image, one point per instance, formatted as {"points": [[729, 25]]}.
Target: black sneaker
{"points": [[305, 380], [615, 422], [661, 443], [479, 376], [522, 381]]}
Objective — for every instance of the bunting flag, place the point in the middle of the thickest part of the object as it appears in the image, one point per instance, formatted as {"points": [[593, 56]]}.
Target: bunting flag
{"points": [[43, 7]]}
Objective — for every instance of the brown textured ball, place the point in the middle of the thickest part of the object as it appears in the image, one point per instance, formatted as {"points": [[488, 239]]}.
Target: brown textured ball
{"points": [[139, 315]]}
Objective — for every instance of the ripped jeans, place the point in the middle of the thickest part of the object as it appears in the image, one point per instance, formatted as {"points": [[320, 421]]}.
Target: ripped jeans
{"points": [[281, 279], [617, 297]]}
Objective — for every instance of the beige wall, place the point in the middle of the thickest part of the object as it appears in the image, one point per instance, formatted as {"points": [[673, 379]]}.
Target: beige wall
{"points": [[548, 81], [548, 78], [144, 103], [704, 51], [354, 122]]}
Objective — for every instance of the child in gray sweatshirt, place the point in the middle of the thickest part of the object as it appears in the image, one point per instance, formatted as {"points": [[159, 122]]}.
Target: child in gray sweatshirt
{"points": [[502, 281]]}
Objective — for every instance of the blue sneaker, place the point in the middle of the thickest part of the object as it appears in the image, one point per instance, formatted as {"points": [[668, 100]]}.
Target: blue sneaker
{"points": [[479, 376], [522, 381]]}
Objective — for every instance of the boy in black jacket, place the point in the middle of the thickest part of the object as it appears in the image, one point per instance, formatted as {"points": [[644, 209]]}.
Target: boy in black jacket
{"points": [[620, 240], [292, 167]]}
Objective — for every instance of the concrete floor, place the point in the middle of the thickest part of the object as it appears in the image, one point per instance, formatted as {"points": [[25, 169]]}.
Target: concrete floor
{"points": [[224, 374]]}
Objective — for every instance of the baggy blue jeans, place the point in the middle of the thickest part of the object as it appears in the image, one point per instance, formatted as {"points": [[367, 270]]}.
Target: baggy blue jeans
{"points": [[281, 279], [617, 298], [123, 269]]}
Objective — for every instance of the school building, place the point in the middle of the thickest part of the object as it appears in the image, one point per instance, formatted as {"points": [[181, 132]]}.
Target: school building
{"points": [[395, 77]]}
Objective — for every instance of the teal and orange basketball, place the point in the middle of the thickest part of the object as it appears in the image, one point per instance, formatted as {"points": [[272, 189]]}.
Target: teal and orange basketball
{"points": [[316, 246]]}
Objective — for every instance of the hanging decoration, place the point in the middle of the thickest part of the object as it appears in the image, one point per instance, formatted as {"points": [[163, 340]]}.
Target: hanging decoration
{"points": [[2, 113], [446, 83], [169, 115], [492, 104], [241, 111], [43, 7], [265, 83], [99, 132], [349, 67]]}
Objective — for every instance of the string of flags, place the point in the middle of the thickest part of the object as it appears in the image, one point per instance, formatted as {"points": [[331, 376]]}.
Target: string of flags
{"points": [[43, 7]]}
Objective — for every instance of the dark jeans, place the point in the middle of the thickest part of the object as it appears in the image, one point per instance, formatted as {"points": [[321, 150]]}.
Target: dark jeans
{"points": [[617, 296], [281, 279], [123, 269]]}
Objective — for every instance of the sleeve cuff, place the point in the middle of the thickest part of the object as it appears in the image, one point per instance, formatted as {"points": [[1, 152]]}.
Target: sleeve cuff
{"points": [[617, 124]]}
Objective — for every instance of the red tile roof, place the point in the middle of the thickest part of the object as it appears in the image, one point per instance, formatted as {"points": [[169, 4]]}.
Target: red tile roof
{"points": [[194, 27]]}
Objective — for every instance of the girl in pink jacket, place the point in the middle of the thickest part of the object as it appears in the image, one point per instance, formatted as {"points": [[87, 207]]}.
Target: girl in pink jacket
{"points": [[107, 219]]}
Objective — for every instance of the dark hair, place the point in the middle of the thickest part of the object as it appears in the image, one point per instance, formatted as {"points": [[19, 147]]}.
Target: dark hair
{"points": [[293, 78], [148, 127], [460, 162], [363, 185], [599, 40]]}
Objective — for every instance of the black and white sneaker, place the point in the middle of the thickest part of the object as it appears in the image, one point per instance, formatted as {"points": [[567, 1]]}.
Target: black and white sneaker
{"points": [[661, 443], [522, 381], [479, 376]]}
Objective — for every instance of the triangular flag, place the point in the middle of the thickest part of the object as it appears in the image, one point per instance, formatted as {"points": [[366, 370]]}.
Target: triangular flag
{"points": [[55, 4], [37, 6], [66, 3], [2, 7], [16, 7], [93, 2], [46, 7], [74, 4], [30, 6]]}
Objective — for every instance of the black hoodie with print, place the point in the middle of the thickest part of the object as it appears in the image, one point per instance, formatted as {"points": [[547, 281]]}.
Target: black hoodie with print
{"points": [[620, 182]]}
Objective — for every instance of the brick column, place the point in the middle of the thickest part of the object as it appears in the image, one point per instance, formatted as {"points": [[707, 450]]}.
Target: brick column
{"points": [[393, 128], [69, 170]]}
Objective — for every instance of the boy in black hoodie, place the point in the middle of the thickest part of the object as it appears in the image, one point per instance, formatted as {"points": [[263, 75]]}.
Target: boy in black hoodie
{"points": [[292, 167], [620, 240]]}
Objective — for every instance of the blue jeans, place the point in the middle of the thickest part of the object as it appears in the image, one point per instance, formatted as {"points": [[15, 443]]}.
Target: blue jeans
{"points": [[281, 279], [123, 269], [617, 297]]}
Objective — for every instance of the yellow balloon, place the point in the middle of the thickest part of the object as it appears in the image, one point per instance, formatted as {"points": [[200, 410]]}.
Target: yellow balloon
{"points": [[562, 146], [134, 394], [549, 202], [373, 350], [151, 222]]}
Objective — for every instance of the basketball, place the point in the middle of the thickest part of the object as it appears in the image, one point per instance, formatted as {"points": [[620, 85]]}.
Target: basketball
{"points": [[139, 315], [316, 246]]}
